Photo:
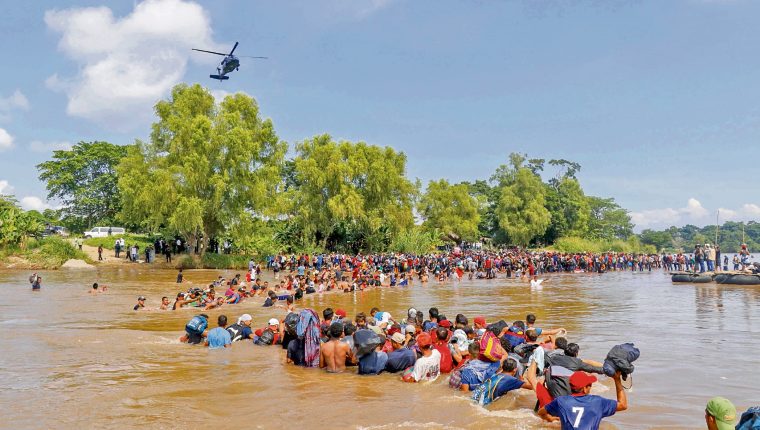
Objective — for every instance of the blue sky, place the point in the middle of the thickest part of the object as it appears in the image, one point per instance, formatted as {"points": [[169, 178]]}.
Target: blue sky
{"points": [[657, 100]]}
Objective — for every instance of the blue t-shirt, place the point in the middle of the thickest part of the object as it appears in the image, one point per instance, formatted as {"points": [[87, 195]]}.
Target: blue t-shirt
{"points": [[582, 412], [495, 387], [218, 338], [400, 359], [372, 363]]}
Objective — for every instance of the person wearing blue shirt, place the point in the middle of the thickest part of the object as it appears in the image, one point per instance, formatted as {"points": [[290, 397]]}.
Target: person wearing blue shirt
{"points": [[504, 381], [401, 358], [581, 410], [219, 337]]}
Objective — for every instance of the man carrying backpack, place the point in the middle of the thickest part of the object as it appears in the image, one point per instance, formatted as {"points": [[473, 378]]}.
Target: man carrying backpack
{"points": [[582, 410], [195, 330]]}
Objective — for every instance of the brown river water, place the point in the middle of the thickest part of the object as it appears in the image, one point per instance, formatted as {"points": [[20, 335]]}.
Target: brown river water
{"points": [[72, 360]]}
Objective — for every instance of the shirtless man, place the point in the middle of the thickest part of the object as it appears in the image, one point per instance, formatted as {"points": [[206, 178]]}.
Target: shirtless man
{"points": [[333, 354], [96, 289], [164, 303]]}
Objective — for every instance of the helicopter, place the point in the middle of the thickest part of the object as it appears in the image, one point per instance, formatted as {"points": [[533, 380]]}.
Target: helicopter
{"points": [[229, 63]]}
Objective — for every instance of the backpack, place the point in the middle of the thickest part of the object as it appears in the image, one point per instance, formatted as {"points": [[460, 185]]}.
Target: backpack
{"points": [[750, 419], [197, 325], [455, 380], [266, 338], [490, 347], [557, 380], [485, 392], [235, 331], [32, 278], [291, 321]]}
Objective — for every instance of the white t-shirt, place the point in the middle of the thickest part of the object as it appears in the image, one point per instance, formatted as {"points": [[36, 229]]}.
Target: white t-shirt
{"points": [[427, 368], [536, 283]]}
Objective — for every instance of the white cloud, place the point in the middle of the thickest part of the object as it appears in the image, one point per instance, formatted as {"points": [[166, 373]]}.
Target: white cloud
{"points": [[5, 187], [33, 203], [40, 146], [127, 63], [15, 101], [6, 140], [692, 213]]}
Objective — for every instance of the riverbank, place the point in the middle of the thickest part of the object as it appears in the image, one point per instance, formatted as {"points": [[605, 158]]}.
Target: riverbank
{"points": [[48, 254]]}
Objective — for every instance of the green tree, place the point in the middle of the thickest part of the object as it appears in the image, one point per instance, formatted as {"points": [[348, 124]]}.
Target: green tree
{"points": [[17, 226], [450, 209], [521, 209], [351, 194], [84, 179], [608, 220], [206, 166]]}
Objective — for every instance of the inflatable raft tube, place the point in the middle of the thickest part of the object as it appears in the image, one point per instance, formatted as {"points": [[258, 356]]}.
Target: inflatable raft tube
{"points": [[694, 278], [739, 279]]}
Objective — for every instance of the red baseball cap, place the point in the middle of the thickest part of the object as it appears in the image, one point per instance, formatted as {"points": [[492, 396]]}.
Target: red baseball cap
{"points": [[445, 324], [393, 330], [423, 340], [340, 312], [580, 380], [480, 321]]}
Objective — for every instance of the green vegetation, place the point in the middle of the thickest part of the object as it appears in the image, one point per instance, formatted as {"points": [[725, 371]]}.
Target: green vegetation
{"points": [[683, 239], [450, 209], [17, 226], [84, 179], [48, 253], [206, 167], [578, 244], [216, 171]]}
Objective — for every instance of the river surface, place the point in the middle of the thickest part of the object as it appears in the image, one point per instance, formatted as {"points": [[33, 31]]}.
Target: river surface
{"points": [[73, 360]]}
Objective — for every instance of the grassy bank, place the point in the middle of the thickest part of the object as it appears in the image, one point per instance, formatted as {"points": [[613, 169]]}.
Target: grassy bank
{"points": [[577, 244], [47, 253]]}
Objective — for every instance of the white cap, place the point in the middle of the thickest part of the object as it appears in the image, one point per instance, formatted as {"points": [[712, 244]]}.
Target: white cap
{"points": [[274, 321], [244, 317]]}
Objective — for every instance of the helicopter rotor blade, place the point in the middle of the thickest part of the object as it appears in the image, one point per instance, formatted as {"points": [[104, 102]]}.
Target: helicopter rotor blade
{"points": [[248, 56], [233, 48], [209, 52]]}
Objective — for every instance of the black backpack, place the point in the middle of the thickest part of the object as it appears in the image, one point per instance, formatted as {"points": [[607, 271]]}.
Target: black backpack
{"points": [[236, 332], [266, 338]]}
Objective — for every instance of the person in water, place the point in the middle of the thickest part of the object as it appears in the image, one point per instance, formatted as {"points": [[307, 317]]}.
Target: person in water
{"points": [[505, 380], [720, 414], [583, 410], [333, 354], [164, 303], [36, 281], [96, 289], [219, 337], [428, 367], [180, 277], [140, 303]]}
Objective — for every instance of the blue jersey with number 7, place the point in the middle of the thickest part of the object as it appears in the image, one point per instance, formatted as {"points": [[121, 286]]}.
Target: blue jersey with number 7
{"points": [[582, 412]]}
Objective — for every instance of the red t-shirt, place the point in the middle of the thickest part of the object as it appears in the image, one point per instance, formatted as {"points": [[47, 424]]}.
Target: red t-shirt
{"points": [[447, 363]]}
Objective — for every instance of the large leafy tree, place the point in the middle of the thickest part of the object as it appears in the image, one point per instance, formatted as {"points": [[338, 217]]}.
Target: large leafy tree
{"points": [[352, 195], [522, 207], [207, 166], [569, 208], [450, 209], [608, 220], [84, 179]]}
